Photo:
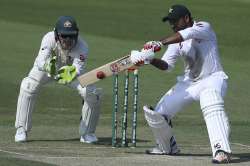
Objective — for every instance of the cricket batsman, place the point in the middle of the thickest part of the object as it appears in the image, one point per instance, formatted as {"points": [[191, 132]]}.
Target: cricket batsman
{"points": [[204, 80], [62, 57]]}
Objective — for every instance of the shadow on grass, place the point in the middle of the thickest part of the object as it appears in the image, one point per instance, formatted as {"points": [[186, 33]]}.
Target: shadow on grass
{"points": [[237, 158], [241, 157], [54, 140], [193, 155], [108, 141], [181, 154]]}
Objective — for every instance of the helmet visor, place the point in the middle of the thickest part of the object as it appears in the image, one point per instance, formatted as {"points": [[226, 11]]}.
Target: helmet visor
{"points": [[67, 41]]}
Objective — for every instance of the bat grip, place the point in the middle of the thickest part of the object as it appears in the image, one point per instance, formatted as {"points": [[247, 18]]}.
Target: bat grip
{"points": [[157, 49]]}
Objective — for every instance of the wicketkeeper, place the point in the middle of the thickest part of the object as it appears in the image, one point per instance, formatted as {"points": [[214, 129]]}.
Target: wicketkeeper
{"points": [[204, 80], [62, 57]]}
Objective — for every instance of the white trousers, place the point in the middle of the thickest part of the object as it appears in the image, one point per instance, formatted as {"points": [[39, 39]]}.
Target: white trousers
{"points": [[186, 92], [210, 92], [30, 88]]}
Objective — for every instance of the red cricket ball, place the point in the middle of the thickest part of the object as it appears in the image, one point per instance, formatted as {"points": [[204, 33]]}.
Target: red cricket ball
{"points": [[100, 75]]}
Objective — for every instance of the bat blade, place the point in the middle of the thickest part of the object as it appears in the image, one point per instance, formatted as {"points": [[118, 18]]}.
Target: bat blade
{"points": [[108, 70]]}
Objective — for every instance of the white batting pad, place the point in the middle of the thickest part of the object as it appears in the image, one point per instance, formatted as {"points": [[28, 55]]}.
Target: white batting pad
{"points": [[212, 106], [90, 111], [25, 104], [160, 128]]}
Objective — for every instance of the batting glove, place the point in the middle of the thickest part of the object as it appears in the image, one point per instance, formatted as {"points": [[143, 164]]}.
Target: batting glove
{"points": [[50, 66], [66, 74], [141, 57], [155, 45]]}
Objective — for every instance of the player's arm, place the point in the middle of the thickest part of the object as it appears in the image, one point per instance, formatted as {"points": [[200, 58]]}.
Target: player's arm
{"points": [[147, 54], [199, 30], [159, 63], [81, 56], [80, 63], [147, 57], [175, 38], [169, 58], [44, 51], [154, 46], [46, 59]]}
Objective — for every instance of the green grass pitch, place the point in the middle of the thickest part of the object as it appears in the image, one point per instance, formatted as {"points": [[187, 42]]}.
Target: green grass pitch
{"points": [[112, 28]]}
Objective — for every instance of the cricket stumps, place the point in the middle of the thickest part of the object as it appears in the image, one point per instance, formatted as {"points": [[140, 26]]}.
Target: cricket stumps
{"points": [[124, 141]]}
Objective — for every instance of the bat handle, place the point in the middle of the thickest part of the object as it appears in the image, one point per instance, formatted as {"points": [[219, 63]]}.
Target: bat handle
{"points": [[157, 49]]}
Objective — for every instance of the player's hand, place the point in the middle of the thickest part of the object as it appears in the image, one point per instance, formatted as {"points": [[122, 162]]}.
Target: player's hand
{"points": [[66, 74], [50, 66], [141, 57], [155, 45], [136, 57]]}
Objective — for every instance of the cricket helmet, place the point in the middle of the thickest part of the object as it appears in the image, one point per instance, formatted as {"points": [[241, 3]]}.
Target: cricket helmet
{"points": [[176, 12], [66, 32]]}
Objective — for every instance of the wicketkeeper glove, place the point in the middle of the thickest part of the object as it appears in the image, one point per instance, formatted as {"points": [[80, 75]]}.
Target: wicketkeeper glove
{"points": [[155, 45], [66, 74], [50, 66]]}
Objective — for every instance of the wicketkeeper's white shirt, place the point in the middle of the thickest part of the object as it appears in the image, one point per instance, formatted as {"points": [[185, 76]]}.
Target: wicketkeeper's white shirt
{"points": [[77, 56]]}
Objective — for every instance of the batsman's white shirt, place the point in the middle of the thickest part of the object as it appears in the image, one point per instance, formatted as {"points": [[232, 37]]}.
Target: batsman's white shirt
{"points": [[49, 46], [202, 65], [198, 50]]}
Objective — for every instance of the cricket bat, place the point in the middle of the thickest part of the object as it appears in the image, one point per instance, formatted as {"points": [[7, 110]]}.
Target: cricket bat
{"points": [[106, 70], [109, 69]]}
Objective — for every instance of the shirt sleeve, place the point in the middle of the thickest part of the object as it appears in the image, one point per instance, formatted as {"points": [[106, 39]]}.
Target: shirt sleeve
{"points": [[200, 30], [45, 50], [171, 56], [80, 63], [80, 60]]}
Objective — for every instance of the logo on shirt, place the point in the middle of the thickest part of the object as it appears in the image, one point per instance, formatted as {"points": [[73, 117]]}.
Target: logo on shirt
{"points": [[82, 57]]}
